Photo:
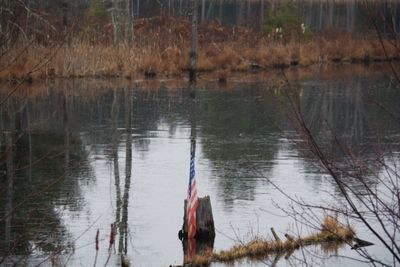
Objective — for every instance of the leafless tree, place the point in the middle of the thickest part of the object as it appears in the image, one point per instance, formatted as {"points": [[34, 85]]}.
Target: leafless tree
{"points": [[193, 51], [370, 188], [122, 20]]}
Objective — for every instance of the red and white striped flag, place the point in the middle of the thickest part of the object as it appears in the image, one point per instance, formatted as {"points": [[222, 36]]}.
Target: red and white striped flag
{"points": [[192, 199]]}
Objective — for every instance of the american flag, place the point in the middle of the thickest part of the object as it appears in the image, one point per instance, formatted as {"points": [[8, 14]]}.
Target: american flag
{"points": [[192, 200]]}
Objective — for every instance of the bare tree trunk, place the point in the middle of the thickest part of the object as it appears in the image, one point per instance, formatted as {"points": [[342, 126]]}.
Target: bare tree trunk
{"points": [[321, 9], [9, 142], [240, 13], [128, 22], [115, 17], [384, 19], [261, 15], [66, 131], [10, 185], [28, 119], [248, 13], [28, 14], [394, 17], [203, 10], [210, 9], [330, 13], [193, 52], [220, 11]]}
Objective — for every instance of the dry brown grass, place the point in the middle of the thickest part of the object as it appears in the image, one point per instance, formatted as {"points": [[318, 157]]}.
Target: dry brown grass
{"points": [[332, 231], [163, 51]]}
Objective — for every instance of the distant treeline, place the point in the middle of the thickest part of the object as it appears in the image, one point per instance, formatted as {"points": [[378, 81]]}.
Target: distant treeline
{"points": [[52, 19]]}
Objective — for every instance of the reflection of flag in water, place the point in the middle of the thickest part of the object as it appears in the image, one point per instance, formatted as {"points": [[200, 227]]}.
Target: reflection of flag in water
{"points": [[191, 249], [192, 200]]}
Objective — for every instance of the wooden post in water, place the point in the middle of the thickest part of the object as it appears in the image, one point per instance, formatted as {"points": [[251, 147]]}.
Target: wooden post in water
{"points": [[204, 221], [205, 232]]}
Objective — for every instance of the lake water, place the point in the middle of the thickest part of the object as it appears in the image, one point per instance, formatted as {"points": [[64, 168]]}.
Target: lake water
{"points": [[81, 145]]}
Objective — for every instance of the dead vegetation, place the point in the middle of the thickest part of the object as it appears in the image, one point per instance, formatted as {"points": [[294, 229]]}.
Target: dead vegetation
{"points": [[331, 232], [161, 48]]}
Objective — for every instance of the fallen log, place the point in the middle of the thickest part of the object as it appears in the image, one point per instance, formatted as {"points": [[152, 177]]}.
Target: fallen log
{"points": [[331, 231]]}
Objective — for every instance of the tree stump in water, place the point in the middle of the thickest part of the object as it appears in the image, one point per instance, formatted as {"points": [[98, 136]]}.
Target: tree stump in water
{"points": [[205, 229]]}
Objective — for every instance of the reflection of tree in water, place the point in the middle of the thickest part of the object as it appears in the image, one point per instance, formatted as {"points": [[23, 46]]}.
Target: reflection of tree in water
{"points": [[337, 107], [155, 109], [344, 110], [158, 108], [121, 222], [238, 135], [48, 163], [151, 108]]}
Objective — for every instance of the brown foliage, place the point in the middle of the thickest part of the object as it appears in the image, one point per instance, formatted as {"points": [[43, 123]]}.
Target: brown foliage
{"points": [[161, 47]]}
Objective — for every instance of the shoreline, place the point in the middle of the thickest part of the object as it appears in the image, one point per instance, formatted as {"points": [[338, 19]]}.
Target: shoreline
{"points": [[271, 79], [221, 75]]}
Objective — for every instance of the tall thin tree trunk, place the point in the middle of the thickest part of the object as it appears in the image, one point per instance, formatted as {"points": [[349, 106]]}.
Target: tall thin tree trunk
{"points": [[248, 13], [220, 13], [210, 9], [28, 15], [9, 142], [129, 22], [240, 12], [261, 15], [193, 52], [330, 13], [203, 10], [115, 17], [394, 17], [66, 131], [28, 120], [10, 187], [321, 9]]}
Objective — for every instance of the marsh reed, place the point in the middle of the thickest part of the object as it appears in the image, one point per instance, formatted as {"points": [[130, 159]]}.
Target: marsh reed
{"points": [[161, 49]]}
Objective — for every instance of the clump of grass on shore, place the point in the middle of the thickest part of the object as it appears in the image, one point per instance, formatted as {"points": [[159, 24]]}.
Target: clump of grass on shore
{"points": [[162, 50], [332, 231]]}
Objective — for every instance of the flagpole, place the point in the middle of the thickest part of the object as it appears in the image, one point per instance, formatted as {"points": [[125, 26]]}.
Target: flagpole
{"points": [[198, 222], [193, 121], [192, 189]]}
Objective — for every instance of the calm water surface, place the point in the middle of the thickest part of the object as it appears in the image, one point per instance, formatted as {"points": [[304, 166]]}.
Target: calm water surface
{"points": [[82, 146]]}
